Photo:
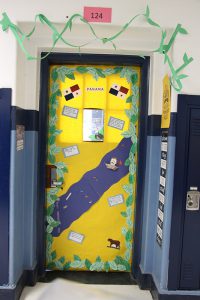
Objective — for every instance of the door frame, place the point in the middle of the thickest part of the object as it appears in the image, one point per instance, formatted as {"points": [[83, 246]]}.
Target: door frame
{"points": [[185, 103], [95, 59]]}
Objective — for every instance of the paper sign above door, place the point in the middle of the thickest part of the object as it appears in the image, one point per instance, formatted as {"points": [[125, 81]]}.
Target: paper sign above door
{"points": [[97, 14]]}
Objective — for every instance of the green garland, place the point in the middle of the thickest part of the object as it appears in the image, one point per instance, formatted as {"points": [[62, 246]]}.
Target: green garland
{"points": [[60, 74], [163, 49]]}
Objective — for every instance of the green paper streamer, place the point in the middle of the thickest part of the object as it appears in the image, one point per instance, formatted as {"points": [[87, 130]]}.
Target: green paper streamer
{"points": [[176, 78]]}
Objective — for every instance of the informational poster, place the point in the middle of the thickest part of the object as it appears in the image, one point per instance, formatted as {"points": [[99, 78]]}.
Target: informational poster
{"points": [[162, 189], [20, 133], [166, 103], [93, 125]]}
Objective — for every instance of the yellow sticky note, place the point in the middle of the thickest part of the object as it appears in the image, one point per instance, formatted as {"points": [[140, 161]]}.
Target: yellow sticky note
{"points": [[166, 103]]}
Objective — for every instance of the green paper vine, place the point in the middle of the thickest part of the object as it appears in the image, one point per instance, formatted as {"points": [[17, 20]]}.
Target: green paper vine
{"points": [[163, 49], [119, 263]]}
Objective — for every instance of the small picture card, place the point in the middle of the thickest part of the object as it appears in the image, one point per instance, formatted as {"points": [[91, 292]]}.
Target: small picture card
{"points": [[20, 133], [70, 112], [116, 123], [159, 231], [70, 151], [164, 146], [76, 237], [162, 181], [160, 215], [161, 198], [116, 200], [163, 164]]}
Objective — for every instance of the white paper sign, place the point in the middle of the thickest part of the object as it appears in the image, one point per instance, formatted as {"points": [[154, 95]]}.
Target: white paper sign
{"points": [[70, 151], [116, 123], [115, 200], [76, 237], [70, 112]]}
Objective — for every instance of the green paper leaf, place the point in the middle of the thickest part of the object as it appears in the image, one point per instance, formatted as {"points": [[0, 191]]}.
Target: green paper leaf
{"points": [[117, 70], [119, 260], [88, 264], [126, 134], [81, 69], [113, 265], [129, 99], [62, 259], [70, 76], [100, 73], [131, 178], [151, 22], [134, 78], [128, 188], [52, 140], [49, 238], [67, 266], [107, 266], [132, 168], [50, 210], [76, 257], [54, 87], [183, 30], [147, 13], [124, 214], [121, 268], [54, 74], [98, 259], [51, 265], [129, 201], [53, 255], [51, 158], [55, 224], [127, 162], [124, 230], [129, 235]]}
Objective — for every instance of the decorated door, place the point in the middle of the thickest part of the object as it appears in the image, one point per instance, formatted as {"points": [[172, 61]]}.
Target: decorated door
{"points": [[91, 167]]}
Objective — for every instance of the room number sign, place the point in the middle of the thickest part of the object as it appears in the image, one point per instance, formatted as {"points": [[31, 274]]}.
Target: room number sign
{"points": [[97, 14]]}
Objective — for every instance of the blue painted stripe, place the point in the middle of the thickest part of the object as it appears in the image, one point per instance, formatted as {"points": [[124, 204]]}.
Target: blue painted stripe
{"points": [[5, 127]]}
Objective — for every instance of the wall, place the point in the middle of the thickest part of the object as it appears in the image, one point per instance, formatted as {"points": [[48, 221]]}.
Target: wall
{"points": [[23, 76]]}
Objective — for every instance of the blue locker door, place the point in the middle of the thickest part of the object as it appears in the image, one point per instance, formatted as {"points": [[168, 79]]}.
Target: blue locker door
{"points": [[190, 261]]}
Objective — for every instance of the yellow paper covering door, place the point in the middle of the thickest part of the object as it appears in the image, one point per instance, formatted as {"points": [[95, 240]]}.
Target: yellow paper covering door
{"points": [[90, 204]]}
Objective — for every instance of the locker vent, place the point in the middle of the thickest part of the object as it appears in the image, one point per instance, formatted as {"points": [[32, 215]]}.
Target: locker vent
{"points": [[187, 271], [195, 127]]}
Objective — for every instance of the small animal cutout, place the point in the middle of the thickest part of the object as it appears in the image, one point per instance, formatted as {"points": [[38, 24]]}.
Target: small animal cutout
{"points": [[72, 92], [114, 244], [118, 91], [113, 165]]}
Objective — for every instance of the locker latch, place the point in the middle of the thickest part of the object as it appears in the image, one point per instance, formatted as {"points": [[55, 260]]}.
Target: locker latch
{"points": [[192, 201]]}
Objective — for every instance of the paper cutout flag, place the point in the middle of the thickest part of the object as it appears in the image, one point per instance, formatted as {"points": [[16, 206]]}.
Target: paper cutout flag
{"points": [[72, 92], [118, 90]]}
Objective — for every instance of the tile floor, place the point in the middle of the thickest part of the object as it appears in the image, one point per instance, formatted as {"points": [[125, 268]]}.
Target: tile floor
{"points": [[62, 289]]}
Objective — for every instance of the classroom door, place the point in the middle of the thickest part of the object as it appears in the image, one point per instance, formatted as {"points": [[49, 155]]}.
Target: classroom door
{"points": [[91, 167], [190, 261]]}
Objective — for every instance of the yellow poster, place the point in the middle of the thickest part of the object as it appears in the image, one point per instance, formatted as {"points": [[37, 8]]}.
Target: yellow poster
{"points": [[166, 103]]}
